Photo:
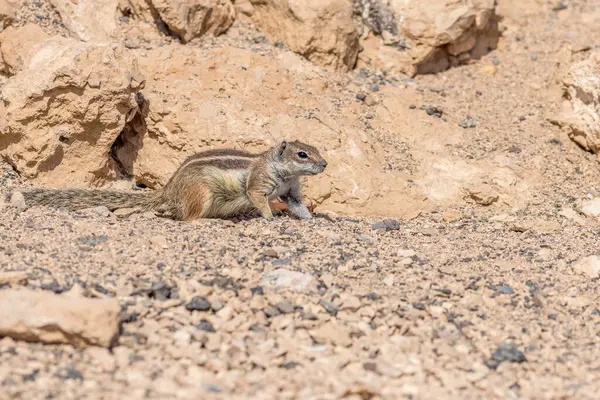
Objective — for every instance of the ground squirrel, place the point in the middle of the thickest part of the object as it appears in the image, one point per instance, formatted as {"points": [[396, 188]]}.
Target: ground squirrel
{"points": [[211, 184]]}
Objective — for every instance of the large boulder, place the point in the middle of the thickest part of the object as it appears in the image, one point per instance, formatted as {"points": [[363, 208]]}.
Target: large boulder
{"points": [[322, 31], [186, 19], [62, 114], [580, 111], [417, 37]]}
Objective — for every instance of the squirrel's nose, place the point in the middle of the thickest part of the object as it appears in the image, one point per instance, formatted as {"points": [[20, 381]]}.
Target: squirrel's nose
{"points": [[323, 163]]}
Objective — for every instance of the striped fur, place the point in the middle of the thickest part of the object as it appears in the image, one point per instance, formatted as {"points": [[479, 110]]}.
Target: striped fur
{"points": [[212, 184]]}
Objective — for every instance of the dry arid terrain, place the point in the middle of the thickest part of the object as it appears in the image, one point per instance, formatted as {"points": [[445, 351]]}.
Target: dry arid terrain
{"points": [[455, 249]]}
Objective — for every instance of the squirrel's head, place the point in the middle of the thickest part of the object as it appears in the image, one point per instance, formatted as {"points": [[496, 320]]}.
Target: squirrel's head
{"points": [[300, 158]]}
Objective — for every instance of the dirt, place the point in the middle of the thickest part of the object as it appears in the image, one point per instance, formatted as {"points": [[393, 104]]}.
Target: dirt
{"points": [[465, 302]]}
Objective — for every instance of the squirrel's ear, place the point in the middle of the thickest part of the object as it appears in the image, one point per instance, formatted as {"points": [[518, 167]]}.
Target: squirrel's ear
{"points": [[282, 147]]}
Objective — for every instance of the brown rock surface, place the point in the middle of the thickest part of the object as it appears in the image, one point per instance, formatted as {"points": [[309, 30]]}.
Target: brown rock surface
{"points": [[418, 37], [580, 112], [186, 19], [18, 45], [320, 30], [63, 114], [49, 318], [89, 20], [8, 9]]}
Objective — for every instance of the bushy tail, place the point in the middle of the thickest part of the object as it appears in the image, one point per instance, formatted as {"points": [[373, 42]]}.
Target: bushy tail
{"points": [[77, 199]]}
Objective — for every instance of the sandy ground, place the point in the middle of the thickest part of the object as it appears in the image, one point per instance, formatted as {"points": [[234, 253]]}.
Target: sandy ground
{"points": [[464, 303]]}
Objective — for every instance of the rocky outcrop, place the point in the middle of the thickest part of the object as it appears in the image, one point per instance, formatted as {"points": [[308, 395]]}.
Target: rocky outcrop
{"points": [[580, 111], [91, 119], [322, 31], [63, 113], [45, 317], [417, 37], [183, 18]]}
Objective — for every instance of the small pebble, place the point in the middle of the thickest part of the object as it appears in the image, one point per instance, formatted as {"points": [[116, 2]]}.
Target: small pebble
{"points": [[386, 225], [468, 122], [160, 291], [271, 312], [514, 149], [373, 87], [331, 308], [505, 289], [198, 303], [285, 307], [505, 352], [205, 326], [216, 305]]}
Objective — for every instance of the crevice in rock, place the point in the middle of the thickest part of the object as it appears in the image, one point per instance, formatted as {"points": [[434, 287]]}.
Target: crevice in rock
{"points": [[376, 16], [125, 148], [161, 25]]}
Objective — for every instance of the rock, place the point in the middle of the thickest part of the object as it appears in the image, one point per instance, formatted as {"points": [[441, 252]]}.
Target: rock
{"points": [[589, 266], [76, 93], [225, 313], [309, 315], [331, 308], [389, 280], [100, 211], [572, 215], [283, 279], [483, 195], [17, 200], [13, 278], [323, 31], [50, 318], [160, 291], [350, 302], [489, 70], [125, 212], [17, 46], [187, 19], [505, 352], [505, 289], [205, 326], [198, 303], [580, 111], [416, 37], [271, 312], [216, 305], [407, 253], [159, 241], [386, 225], [468, 122], [330, 333], [590, 208], [285, 307], [89, 21], [450, 216]]}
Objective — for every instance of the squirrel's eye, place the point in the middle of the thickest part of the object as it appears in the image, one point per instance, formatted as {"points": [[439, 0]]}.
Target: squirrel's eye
{"points": [[302, 155]]}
